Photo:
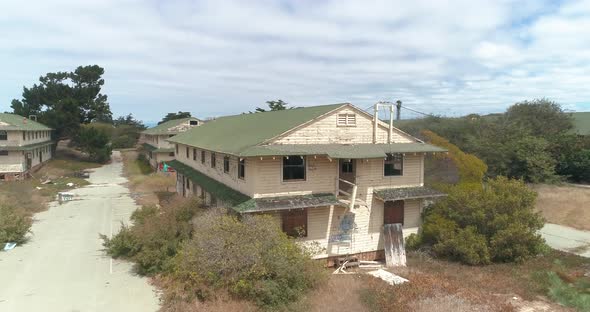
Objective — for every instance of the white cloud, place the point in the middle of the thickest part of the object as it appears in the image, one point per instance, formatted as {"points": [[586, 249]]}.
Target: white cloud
{"points": [[220, 57]]}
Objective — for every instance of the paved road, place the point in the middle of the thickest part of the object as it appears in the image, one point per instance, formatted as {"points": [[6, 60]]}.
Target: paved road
{"points": [[63, 268], [567, 239]]}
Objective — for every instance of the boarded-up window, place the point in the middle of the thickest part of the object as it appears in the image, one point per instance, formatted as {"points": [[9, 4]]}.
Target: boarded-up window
{"points": [[241, 168], [295, 222], [293, 168], [393, 212], [347, 120], [393, 165], [226, 164]]}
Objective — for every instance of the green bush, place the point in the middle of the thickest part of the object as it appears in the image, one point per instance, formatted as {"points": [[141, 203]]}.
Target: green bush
{"points": [[94, 142], [495, 223], [14, 224], [466, 245], [155, 238], [571, 295], [250, 258]]}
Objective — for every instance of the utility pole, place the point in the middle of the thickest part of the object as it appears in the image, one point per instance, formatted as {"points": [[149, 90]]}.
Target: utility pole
{"points": [[398, 105]]}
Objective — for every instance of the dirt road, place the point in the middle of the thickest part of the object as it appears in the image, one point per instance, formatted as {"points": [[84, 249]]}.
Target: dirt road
{"points": [[62, 267], [567, 239]]}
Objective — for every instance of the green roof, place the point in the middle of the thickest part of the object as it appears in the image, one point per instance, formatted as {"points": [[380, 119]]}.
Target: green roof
{"points": [[581, 122], [163, 127], [341, 150], [401, 193], [150, 148], [25, 147], [235, 134], [17, 122], [287, 202], [217, 189]]}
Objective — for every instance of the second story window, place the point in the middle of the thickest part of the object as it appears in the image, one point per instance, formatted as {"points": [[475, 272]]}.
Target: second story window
{"points": [[293, 168], [187, 151], [213, 160], [241, 168], [202, 157], [393, 165], [3, 135], [346, 120], [24, 136], [3, 153], [226, 164], [176, 149], [194, 154]]}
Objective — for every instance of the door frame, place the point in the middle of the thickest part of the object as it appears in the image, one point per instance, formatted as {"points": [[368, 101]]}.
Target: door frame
{"points": [[354, 163]]}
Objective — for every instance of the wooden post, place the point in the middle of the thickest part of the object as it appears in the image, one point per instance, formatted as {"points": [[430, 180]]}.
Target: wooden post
{"points": [[375, 122], [353, 197]]}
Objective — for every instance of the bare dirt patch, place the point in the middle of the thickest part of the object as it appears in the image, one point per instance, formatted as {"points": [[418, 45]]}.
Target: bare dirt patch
{"points": [[565, 205]]}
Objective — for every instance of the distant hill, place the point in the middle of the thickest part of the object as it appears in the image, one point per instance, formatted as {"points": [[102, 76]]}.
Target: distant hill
{"points": [[582, 122]]}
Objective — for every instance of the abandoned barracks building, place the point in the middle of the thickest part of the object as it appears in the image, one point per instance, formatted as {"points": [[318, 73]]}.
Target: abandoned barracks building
{"points": [[24, 145], [331, 174]]}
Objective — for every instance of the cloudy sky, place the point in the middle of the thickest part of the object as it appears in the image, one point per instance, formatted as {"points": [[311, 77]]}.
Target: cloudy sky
{"points": [[223, 57]]}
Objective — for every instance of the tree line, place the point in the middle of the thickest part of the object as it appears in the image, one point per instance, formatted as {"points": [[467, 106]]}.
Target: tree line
{"points": [[532, 140]]}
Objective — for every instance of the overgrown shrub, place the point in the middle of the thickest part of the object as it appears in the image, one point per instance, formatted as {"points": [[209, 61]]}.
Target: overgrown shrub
{"points": [[14, 224], [250, 258], [496, 223], [155, 238]]}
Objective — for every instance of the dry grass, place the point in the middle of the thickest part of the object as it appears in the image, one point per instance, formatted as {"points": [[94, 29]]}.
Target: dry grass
{"points": [[147, 187], [565, 205]]}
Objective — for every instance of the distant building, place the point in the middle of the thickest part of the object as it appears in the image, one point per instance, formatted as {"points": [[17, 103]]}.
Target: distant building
{"points": [[331, 175], [157, 149], [24, 145]]}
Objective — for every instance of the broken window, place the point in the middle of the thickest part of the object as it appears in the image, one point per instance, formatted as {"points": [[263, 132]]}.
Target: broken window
{"points": [[295, 222], [293, 168], [226, 164], [393, 212], [393, 165], [241, 168]]}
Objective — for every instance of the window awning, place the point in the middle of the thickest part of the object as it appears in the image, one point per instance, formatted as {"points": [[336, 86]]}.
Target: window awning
{"points": [[407, 193], [216, 188], [341, 150], [287, 202]]}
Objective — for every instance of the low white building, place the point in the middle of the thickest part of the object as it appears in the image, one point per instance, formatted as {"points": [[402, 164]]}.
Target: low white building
{"points": [[24, 145]]}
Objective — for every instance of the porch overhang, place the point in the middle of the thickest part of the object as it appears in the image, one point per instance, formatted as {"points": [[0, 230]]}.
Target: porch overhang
{"points": [[29, 147], [216, 188], [266, 204], [402, 193], [148, 147], [346, 151]]}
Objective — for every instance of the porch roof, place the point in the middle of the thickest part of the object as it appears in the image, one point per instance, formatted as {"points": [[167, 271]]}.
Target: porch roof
{"points": [[217, 189], [287, 202], [25, 147], [150, 148], [341, 150], [407, 193]]}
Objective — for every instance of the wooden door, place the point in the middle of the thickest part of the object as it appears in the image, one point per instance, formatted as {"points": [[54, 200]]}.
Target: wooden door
{"points": [[393, 212], [347, 172]]}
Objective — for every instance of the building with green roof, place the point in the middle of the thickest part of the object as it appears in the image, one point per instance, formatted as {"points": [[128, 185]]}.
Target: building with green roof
{"points": [[25, 144], [154, 140], [329, 174]]}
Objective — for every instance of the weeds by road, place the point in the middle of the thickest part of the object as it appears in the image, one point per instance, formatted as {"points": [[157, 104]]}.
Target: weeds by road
{"points": [[148, 187]]}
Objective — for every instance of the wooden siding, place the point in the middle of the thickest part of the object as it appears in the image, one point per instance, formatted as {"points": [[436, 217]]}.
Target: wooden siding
{"points": [[320, 177], [230, 179], [15, 137], [323, 223], [18, 157], [326, 131], [158, 141]]}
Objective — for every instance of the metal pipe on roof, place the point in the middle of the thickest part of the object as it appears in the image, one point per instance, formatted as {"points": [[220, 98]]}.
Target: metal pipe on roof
{"points": [[390, 138], [375, 121]]}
